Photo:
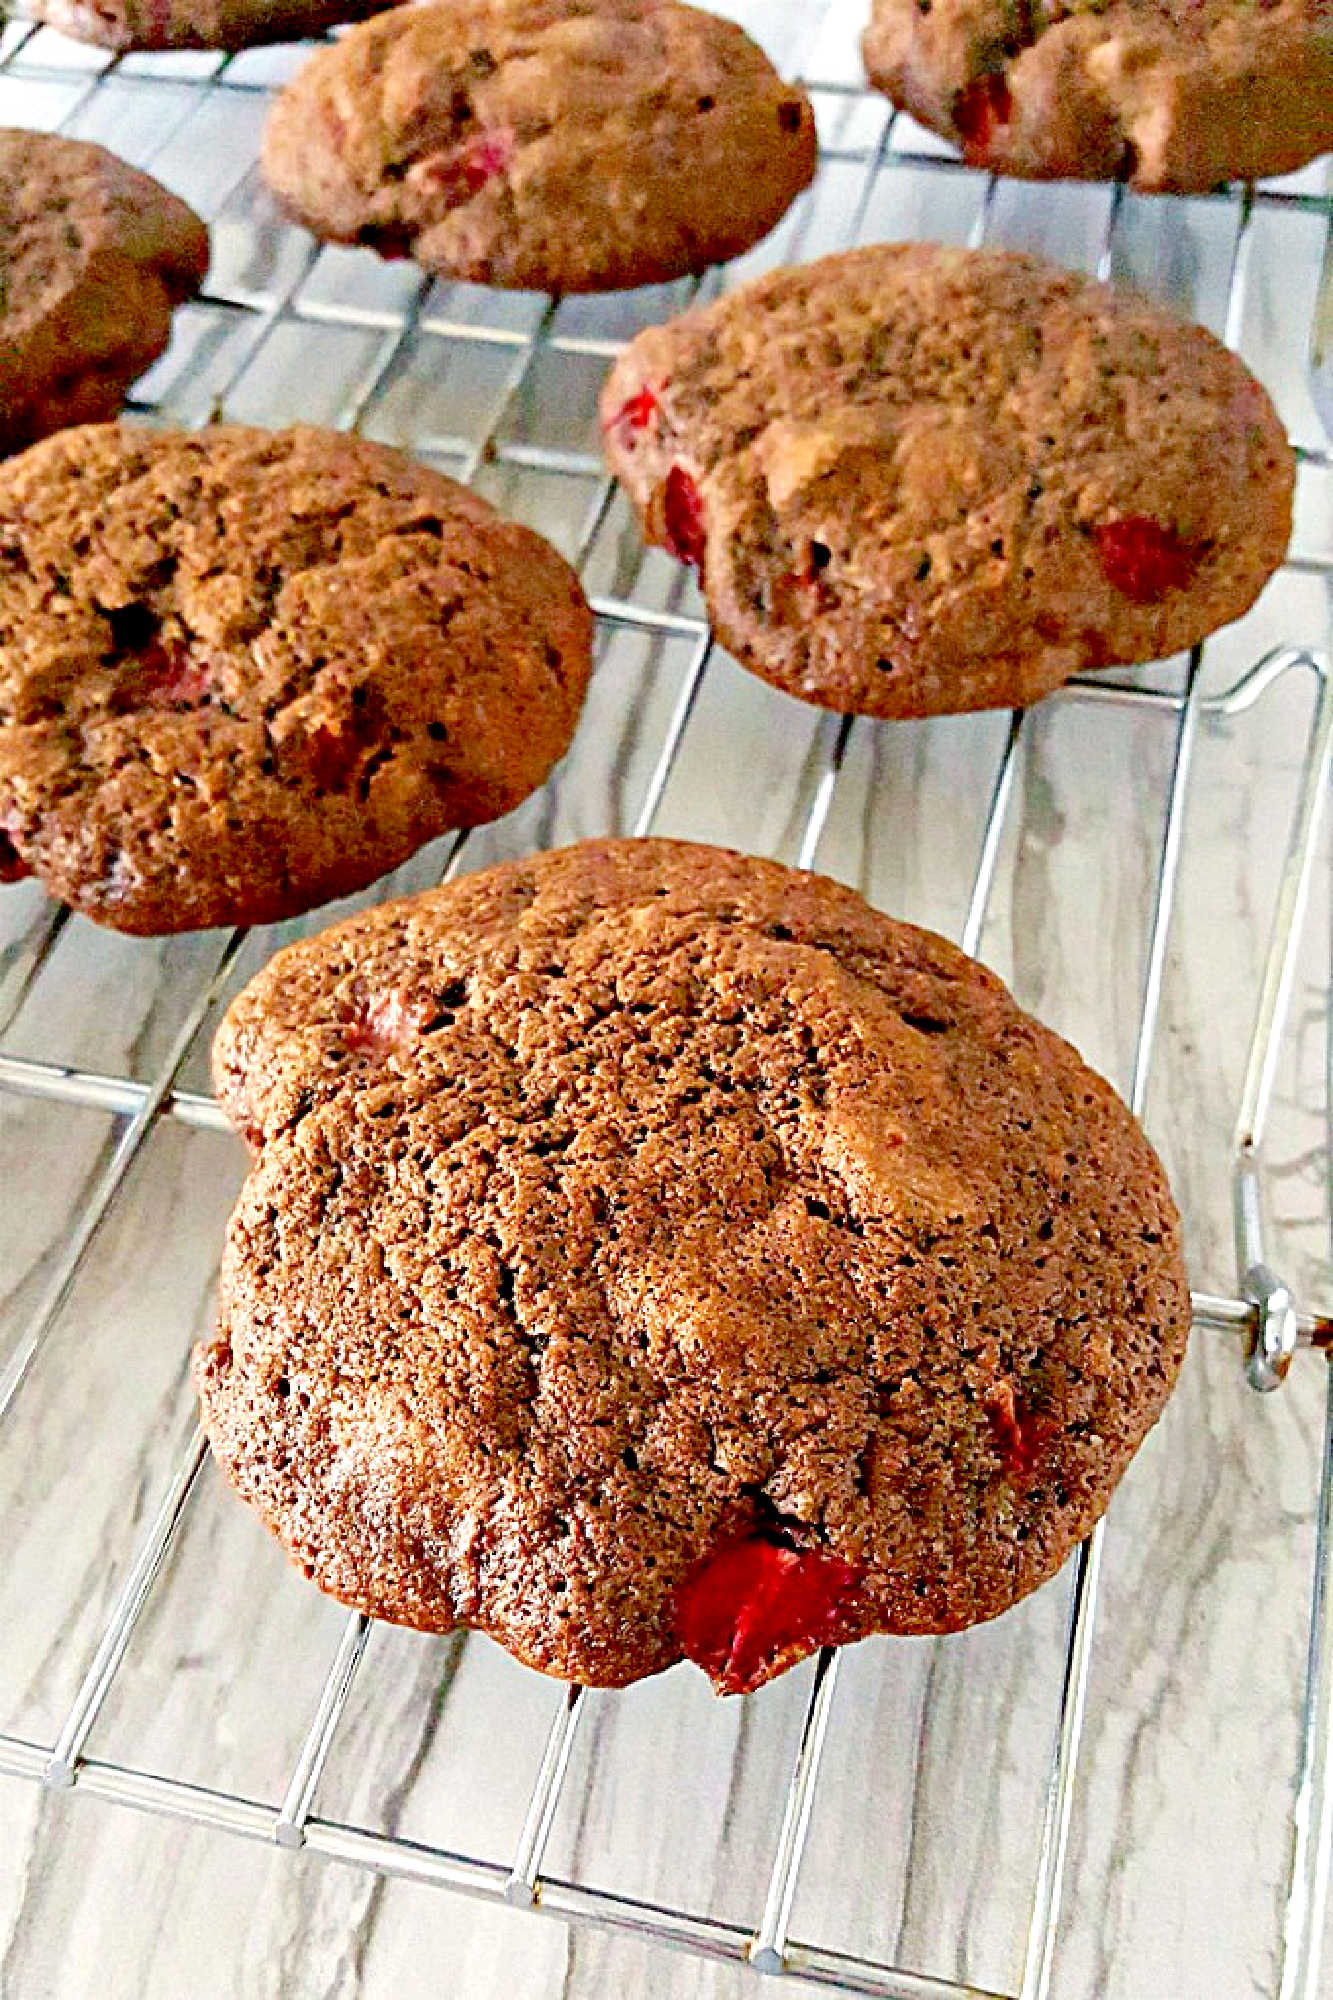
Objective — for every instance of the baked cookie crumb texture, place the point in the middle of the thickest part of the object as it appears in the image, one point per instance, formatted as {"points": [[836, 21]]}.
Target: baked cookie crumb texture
{"points": [[196, 24], [242, 671], [917, 479], [654, 1253], [1171, 95], [93, 257], [558, 144]]}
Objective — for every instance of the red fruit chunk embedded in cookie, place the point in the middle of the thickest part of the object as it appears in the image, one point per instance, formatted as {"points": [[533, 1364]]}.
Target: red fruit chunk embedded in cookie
{"points": [[386, 1025], [1017, 1433], [1143, 559], [683, 518], [639, 413], [165, 674], [981, 110], [465, 171], [755, 1607]]}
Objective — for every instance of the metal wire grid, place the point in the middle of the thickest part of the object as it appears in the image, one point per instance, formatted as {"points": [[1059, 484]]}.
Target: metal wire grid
{"points": [[1262, 1314]]}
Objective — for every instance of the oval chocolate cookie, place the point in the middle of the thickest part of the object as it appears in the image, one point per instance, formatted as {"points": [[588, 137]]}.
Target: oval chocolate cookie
{"points": [[558, 144], [1171, 95], [93, 257], [919, 479], [197, 24], [655, 1253], [245, 671]]}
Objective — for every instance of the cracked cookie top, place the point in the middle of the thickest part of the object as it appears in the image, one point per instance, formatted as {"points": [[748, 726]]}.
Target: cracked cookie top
{"points": [[93, 257], [919, 479], [1170, 95], [567, 145], [244, 671], [653, 1252]]}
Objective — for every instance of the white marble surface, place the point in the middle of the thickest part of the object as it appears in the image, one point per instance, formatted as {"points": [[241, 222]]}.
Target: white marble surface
{"points": [[928, 1817]]}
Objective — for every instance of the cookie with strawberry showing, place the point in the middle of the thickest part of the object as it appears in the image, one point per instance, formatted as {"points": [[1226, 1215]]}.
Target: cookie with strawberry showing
{"points": [[562, 145], [243, 671], [917, 479], [1173, 96], [652, 1253]]}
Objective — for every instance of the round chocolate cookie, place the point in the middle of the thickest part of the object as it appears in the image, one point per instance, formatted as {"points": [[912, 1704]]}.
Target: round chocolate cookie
{"points": [[919, 479], [568, 145], [1171, 95], [197, 24], [244, 671], [93, 256], [652, 1252]]}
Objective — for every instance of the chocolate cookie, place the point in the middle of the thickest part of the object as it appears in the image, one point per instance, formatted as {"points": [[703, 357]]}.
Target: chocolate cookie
{"points": [[244, 671], [197, 24], [567, 145], [652, 1252], [919, 479], [1177, 95], [93, 256]]}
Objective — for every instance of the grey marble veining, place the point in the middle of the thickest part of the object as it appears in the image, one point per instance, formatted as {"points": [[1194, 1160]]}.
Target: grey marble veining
{"points": [[927, 1822]]}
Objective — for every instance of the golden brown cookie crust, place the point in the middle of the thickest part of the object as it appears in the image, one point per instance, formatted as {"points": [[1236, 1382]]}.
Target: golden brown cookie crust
{"points": [[921, 479], [244, 671], [642, 1202], [1173, 96], [93, 257], [558, 144]]}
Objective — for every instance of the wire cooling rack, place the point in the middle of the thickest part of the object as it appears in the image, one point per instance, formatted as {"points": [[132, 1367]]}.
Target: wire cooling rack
{"points": [[499, 390]]}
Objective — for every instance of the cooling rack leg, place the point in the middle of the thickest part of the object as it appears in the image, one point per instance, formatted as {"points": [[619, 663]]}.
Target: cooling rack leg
{"points": [[1168, 878], [768, 1953], [28, 961], [63, 1767], [289, 1828], [1238, 281], [521, 1885], [822, 803], [1060, 1789], [983, 882], [685, 700], [976, 237], [1106, 255]]}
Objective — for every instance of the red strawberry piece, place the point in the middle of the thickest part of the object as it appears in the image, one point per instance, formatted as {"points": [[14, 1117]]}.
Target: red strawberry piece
{"points": [[756, 1606], [1017, 1432], [1143, 559], [980, 110], [386, 1023], [683, 518], [163, 674], [466, 169], [638, 414]]}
